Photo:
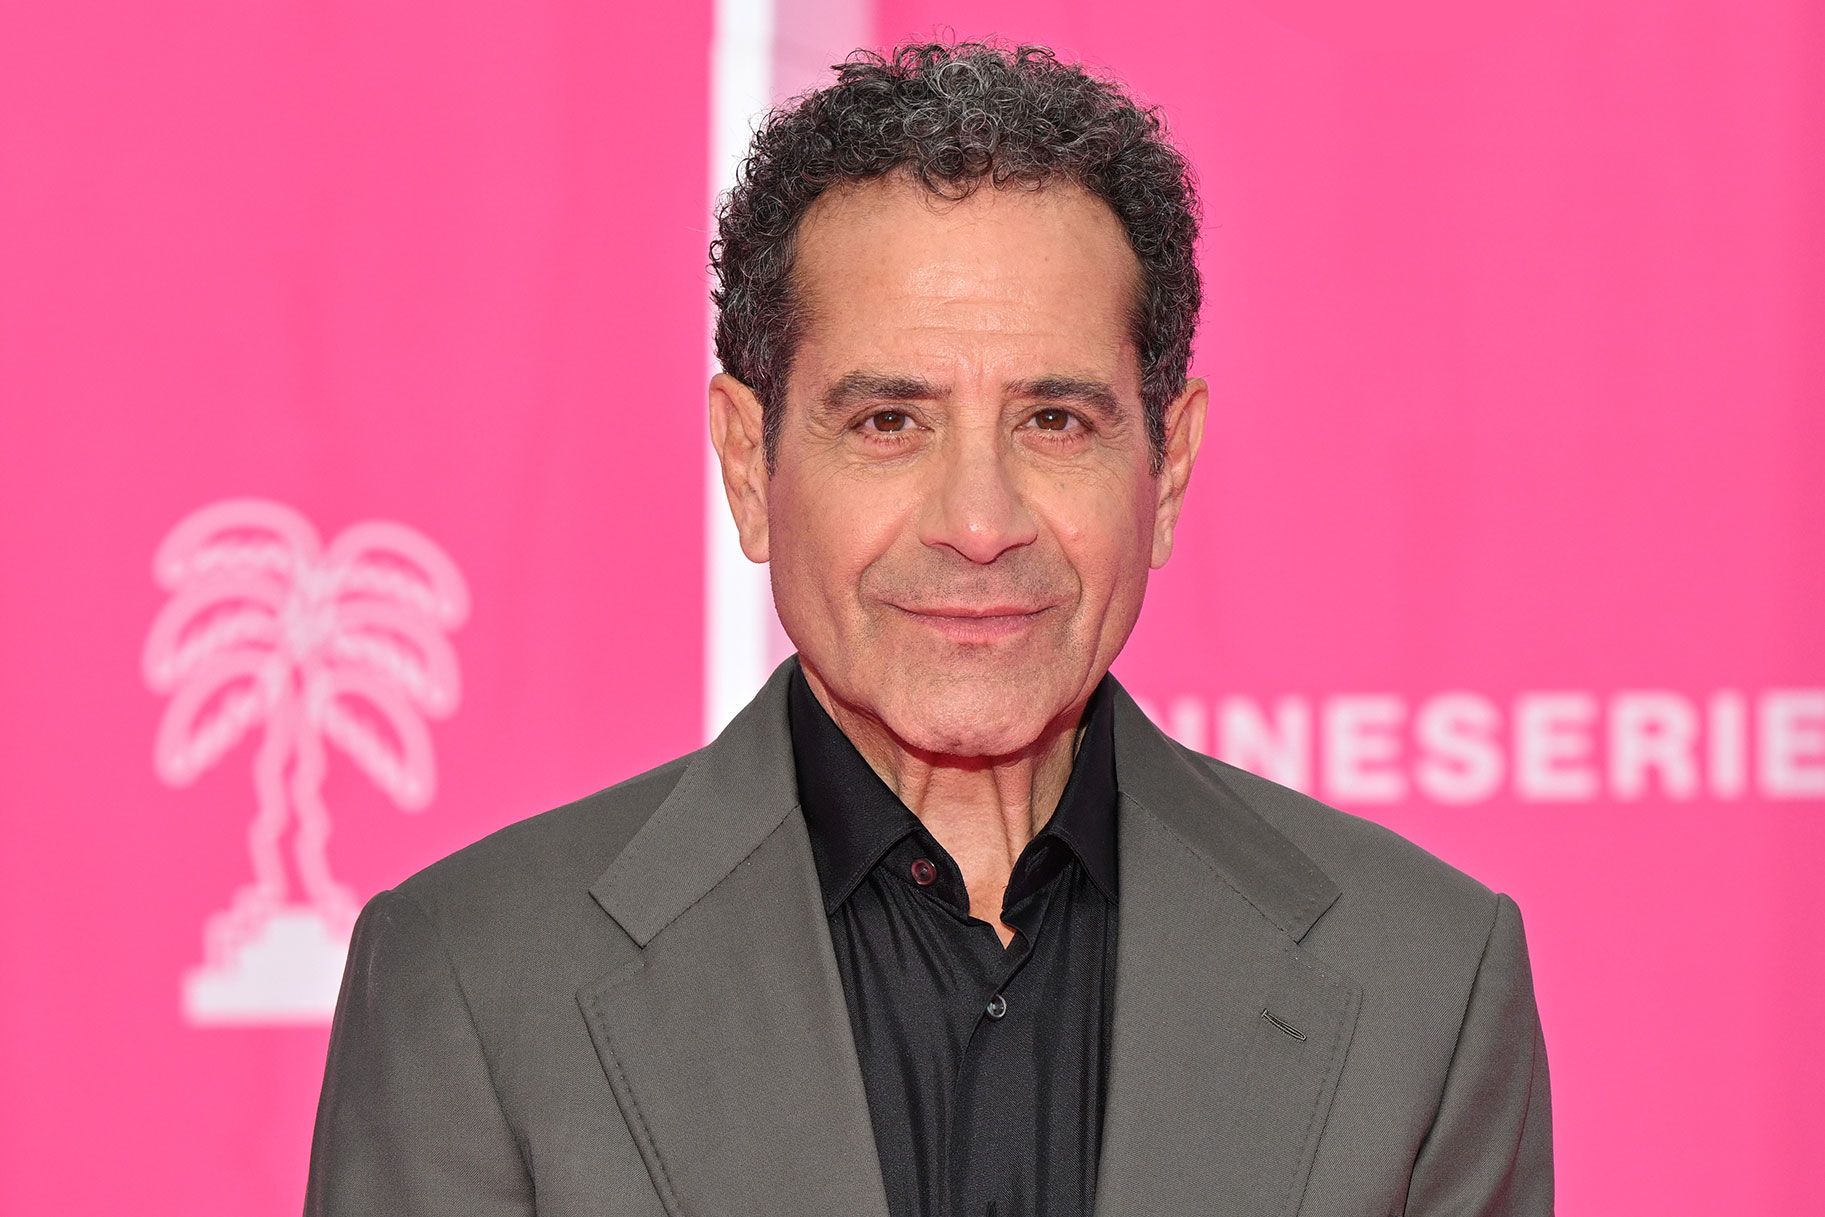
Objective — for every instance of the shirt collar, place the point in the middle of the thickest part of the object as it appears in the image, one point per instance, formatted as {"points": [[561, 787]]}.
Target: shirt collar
{"points": [[854, 818]]}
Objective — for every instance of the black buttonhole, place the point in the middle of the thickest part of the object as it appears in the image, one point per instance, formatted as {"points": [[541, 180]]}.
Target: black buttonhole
{"points": [[1285, 1026]]}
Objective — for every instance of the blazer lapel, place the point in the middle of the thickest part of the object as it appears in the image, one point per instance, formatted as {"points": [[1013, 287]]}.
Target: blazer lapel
{"points": [[727, 1040], [727, 1044], [1228, 1037]]}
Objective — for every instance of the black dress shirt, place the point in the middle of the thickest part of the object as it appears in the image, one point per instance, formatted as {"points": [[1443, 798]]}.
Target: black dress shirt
{"points": [[985, 1066]]}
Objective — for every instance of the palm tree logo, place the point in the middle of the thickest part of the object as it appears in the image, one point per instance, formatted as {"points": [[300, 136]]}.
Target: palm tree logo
{"points": [[268, 629]]}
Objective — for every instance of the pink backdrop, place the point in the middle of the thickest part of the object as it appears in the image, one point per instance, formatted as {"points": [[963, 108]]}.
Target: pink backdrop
{"points": [[1507, 532]]}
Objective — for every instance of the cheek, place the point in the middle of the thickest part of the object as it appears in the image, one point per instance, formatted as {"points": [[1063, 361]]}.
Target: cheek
{"points": [[1107, 536], [827, 531]]}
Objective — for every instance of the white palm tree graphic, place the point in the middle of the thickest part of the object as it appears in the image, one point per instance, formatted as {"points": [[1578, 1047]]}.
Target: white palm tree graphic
{"points": [[345, 645]]}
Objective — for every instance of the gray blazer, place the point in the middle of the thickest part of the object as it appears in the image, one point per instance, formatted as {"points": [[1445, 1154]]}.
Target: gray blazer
{"points": [[628, 1007]]}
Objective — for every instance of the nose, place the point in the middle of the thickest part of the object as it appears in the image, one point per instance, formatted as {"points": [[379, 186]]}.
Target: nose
{"points": [[975, 506]]}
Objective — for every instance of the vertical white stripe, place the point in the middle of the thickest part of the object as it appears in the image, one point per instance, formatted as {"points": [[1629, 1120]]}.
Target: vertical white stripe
{"points": [[739, 604], [762, 51]]}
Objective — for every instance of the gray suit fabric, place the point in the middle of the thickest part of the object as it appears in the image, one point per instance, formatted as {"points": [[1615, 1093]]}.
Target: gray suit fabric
{"points": [[629, 1007]]}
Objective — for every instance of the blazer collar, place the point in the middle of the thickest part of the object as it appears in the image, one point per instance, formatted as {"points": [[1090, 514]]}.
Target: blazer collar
{"points": [[1229, 1038], [726, 1040], [1189, 797], [700, 833], [732, 795]]}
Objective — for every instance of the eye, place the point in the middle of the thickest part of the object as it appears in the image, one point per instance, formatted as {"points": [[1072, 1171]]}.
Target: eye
{"points": [[887, 421], [1055, 419]]}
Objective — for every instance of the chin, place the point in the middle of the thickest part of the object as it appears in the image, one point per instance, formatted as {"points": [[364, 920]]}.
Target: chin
{"points": [[975, 714]]}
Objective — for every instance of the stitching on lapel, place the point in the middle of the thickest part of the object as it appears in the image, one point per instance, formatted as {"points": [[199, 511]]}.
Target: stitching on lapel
{"points": [[1290, 947], [1300, 860], [1308, 1149], [1203, 861], [791, 809], [618, 1082], [630, 1110], [1351, 993]]}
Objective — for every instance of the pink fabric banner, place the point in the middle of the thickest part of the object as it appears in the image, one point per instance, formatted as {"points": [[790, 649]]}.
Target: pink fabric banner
{"points": [[408, 301], [352, 361], [1508, 526]]}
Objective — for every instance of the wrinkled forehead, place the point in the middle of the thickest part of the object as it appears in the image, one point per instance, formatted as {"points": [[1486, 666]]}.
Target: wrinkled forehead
{"points": [[890, 267]]}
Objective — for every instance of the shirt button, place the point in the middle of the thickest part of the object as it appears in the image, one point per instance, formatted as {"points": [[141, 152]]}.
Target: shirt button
{"points": [[998, 1006], [923, 872]]}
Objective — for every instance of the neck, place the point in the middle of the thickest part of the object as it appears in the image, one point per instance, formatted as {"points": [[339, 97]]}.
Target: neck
{"points": [[982, 809]]}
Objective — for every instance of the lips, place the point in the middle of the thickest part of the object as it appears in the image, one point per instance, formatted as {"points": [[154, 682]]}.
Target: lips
{"points": [[974, 623], [972, 611]]}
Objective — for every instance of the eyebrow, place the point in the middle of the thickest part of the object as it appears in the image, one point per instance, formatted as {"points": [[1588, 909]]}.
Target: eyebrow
{"points": [[856, 388], [1094, 395]]}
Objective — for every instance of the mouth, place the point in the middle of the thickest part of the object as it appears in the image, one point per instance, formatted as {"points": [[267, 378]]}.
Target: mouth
{"points": [[974, 623]]}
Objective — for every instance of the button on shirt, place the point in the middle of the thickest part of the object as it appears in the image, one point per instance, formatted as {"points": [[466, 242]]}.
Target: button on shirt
{"points": [[985, 1067]]}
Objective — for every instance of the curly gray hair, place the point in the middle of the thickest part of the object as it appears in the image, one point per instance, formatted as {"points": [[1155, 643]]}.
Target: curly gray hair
{"points": [[952, 117]]}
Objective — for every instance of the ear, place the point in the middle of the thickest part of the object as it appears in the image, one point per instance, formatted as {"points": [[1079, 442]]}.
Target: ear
{"points": [[1184, 435], [737, 435]]}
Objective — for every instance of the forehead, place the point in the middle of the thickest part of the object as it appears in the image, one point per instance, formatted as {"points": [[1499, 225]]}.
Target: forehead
{"points": [[888, 271]]}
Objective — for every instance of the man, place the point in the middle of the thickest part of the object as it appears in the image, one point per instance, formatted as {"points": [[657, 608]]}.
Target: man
{"points": [[941, 924]]}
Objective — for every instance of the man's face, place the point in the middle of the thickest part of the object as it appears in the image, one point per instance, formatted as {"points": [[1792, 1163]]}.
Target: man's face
{"points": [[962, 512]]}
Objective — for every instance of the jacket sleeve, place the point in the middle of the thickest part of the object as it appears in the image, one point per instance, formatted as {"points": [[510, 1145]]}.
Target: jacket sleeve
{"points": [[1489, 1152], [409, 1122]]}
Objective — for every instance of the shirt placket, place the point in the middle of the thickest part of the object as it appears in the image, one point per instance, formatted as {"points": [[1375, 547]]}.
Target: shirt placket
{"points": [[991, 1015]]}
